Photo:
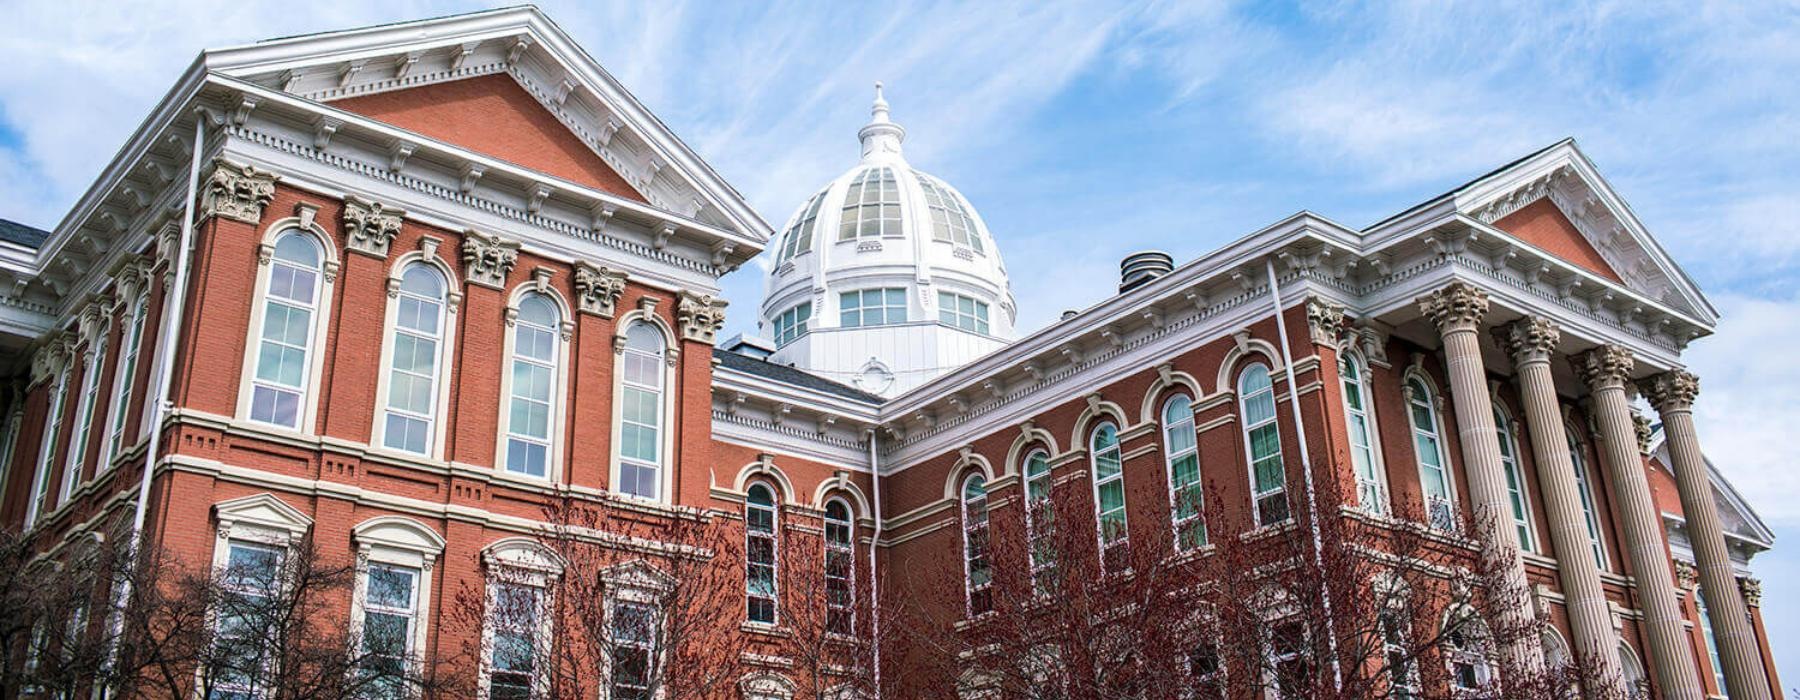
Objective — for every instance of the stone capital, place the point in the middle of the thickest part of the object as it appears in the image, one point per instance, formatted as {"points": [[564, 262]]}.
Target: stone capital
{"points": [[1324, 321], [1751, 589], [237, 192], [487, 259], [1640, 424], [1604, 367], [1457, 306], [370, 226], [1529, 339], [1686, 575], [700, 315], [1673, 390], [597, 289]]}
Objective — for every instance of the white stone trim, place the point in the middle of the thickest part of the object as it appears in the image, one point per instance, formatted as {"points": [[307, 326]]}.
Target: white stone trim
{"points": [[448, 332], [554, 460], [671, 391], [402, 542], [306, 222]]}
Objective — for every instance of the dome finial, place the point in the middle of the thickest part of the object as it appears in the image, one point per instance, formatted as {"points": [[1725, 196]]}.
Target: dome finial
{"points": [[881, 136]]}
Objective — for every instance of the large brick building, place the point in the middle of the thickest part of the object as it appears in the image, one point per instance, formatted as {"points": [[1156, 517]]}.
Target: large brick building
{"points": [[401, 285]]}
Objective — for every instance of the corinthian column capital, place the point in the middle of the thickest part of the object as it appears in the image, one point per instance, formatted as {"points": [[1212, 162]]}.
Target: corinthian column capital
{"points": [[1673, 390], [1605, 366], [1324, 321], [701, 316], [1457, 306], [1528, 339], [237, 191]]}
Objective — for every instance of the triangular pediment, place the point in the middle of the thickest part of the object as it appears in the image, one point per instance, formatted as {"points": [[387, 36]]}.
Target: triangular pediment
{"points": [[1556, 200], [507, 84], [494, 116]]}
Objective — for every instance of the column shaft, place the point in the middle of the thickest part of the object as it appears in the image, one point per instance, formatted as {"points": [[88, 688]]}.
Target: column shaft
{"points": [[1606, 369], [1530, 341], [1673, 393], [1457, 311]]}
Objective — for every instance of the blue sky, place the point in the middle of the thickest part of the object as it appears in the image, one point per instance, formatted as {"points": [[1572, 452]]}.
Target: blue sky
{"points": [[1083, 131]]}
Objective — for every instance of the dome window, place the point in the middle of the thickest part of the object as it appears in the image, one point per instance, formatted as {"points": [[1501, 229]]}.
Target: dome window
{"points": [[872, 307], [791, 324], [871, 206], [963, 312], [800, 235], [950, 220]]}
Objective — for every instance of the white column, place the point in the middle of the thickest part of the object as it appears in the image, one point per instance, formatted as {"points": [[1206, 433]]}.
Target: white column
{"points": [[1605, 370], [1672, 393], [1531, 341], [1457, 310]]}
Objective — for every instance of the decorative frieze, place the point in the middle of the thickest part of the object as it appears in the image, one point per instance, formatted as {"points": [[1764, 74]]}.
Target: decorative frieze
{"points": [[1605, 366], [52, 357], [1529, 339], [487, 259], [237, 192], [370, 226], [1751, 589], [130, 277], [701, 316], [1671, 391], [1457, 306], [1324, 321], [597, 289]]}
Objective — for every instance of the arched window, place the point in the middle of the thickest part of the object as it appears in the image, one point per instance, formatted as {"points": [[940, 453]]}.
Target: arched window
{"points": [[1109, 496], [409, 417], [1588, 510], [1262, 445], [40, 488], [532, 386], [284, 348], [126, 374], [84, 416], [1396, 645], [1637, 686], [1428, 448], [641, 409], [1712, 642], [1040, 522], [1556, 651], [1371, 489], [1467, 651], [1185, 492], [840, 569], [978, 571], [761, 545], [1515, 477]]}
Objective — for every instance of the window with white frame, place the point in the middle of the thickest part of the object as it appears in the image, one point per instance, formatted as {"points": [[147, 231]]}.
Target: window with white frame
{"points": [[977, 569], [1637, 685], [1466, 652], [840, 569], [245, 642], [1589, 512], [791, 324], [84, 415], [285, 346], [1371, 489], [871, 206], [1040, 522], [517, 646], [872, 307], [124, 378], [800, 235], [1712, 642], [1289, 659], [962, 311], [1428, 449], [635, 629], [40, 491], [531, 409], [642, 395], [389, 625], [950, 220], [1186, 494], [1515, 477], [1396, 647], [1262, 445], [1205, 669], [1109, 497], [762, 547], [410, 416]]}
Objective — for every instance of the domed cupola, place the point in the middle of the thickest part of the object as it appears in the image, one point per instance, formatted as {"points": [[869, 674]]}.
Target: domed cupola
{"points": [[886, 277]]}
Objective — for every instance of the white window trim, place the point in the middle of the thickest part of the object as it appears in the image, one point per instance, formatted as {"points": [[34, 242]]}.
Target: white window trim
{"points": [[524, 562], [646, 312], [1285, 614], [261, 519], [962, 507], [40, 484], [1377, 461], [1438, 433], [1482, 658], [400, 542], [315, 360], [1250, 451], [446, 352], [775, 554], [117, 418], [559, 382], [1586, 492], [1031, 522], [1509, 436], [85, 413], [847, 549], [639, 583], [1169, 457], [1124, 507]]}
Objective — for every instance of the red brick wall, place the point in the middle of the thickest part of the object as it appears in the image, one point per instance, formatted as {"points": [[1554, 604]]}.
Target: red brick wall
{"points": [[1543, 225]]}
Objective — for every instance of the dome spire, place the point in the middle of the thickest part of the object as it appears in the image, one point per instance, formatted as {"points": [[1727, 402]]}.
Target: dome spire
{"points": [[881, 137]]}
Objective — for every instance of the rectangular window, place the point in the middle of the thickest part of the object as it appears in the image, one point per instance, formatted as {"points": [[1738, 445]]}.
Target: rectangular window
{"points": [[872, 307], [533, 381], [40, 499], [1289, 661], [1588, 511], [128, 361], [1369, 491], [1515, 492], [791, 324], [390, 613], [245, 640], [962, 312], [516, 626], [84, 422], [640, 423], [634, 628]]}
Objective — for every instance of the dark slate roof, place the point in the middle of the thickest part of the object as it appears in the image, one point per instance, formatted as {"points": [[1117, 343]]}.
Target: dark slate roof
{"points": [[790, 375], [15, 232]]}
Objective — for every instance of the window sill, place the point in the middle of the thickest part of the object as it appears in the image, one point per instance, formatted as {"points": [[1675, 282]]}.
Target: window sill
{"points": [[764, 630]]}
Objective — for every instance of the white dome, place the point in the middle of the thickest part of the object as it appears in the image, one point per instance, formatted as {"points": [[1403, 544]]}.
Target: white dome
{"points": [[887, 277]]}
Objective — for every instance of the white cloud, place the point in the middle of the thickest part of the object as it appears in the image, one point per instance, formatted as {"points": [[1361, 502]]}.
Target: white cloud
{"points": [[1750, 399]]}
